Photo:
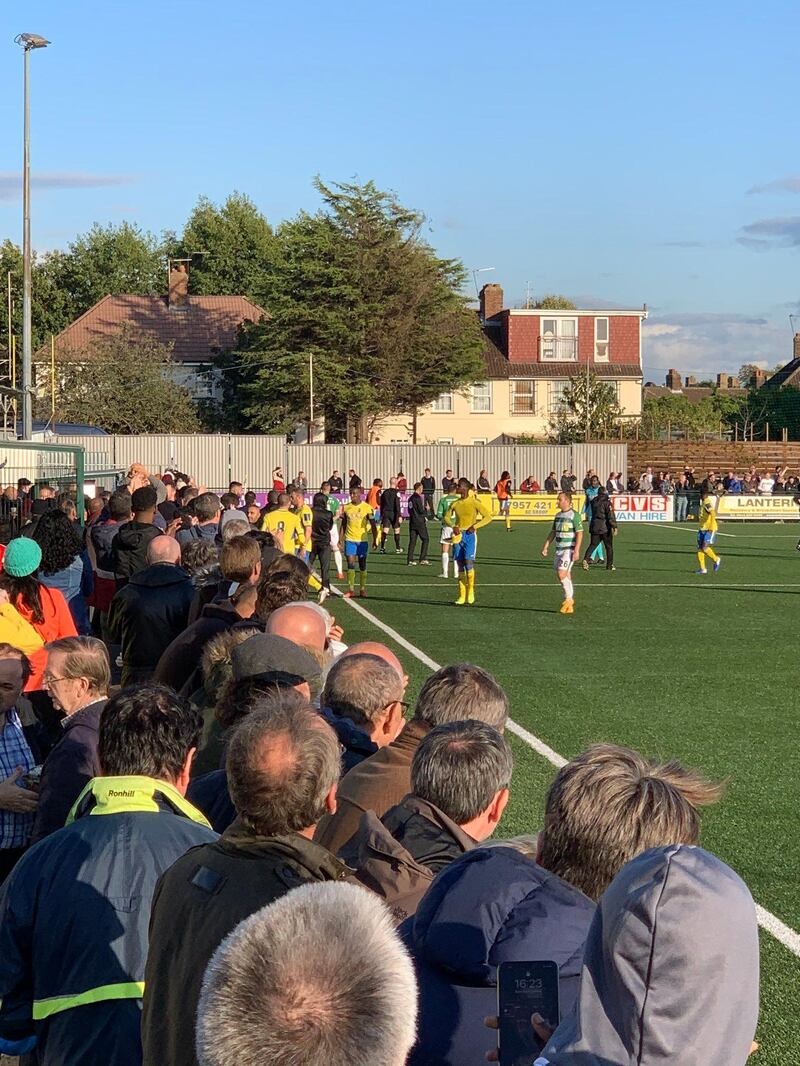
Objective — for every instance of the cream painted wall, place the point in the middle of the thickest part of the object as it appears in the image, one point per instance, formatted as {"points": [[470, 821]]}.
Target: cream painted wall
{"points": [[465, 426]]}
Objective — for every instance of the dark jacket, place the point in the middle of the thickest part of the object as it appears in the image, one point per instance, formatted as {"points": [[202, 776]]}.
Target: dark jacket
{"points": [[399, 855], [147, 615], [355, 482], [321, 525], [180, 663], [492, 905], [197, 903], [428, 485], [74, 917], [550, 484], [68, 769], [101, 535], [357, 743], [129, 549], [209, 587], [390, 506], [416, 513], [376, 784], [336, 484], [209, 793], [602, 515]]}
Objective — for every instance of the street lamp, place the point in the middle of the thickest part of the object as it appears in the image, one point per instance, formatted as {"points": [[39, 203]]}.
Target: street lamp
{"points": [[27, 41]]}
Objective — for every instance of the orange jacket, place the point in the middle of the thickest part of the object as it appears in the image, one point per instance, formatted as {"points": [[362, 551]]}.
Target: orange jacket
{"points": [[57, 623]]}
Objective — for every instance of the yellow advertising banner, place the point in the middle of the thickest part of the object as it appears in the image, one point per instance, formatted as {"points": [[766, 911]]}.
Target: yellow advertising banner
{"points": [[758, 508], [533, 508]]}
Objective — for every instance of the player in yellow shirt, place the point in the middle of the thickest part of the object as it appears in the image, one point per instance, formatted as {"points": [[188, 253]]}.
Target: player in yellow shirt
{"points": [[285, 526], [303, 512], [358, 519], [707, 533], [465, 517]]}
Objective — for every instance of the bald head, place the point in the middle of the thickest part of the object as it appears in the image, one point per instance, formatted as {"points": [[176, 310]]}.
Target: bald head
{"points": [[300, 623], [372, 647], [163, 550]]}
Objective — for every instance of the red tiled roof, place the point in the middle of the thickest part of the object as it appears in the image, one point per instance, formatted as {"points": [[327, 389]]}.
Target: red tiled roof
{"points": [[197, 330]]}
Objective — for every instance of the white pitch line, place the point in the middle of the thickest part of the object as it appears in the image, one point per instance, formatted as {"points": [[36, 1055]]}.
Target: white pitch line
{"points": [[583, 585], [778, 929]]}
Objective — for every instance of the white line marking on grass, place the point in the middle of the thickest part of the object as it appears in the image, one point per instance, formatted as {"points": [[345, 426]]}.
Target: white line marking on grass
{"points": [[688, 529], [778, 929], [583, 585]]}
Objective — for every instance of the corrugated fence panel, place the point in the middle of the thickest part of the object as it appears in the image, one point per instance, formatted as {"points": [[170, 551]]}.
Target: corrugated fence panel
{"points": [[602, 458], [317, 461], [531, 459], [253, 458]]}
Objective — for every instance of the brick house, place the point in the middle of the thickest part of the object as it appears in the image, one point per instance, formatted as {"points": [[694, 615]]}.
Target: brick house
{"points": [[197, 327], [530, 357]]}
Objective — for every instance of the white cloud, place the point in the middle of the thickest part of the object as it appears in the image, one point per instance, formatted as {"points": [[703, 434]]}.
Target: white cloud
{"points": [[789, 184], [709, 344], [11, 182]]}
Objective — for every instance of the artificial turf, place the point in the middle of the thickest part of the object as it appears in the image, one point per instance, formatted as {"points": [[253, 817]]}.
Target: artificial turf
{"points": [[674, 664]]}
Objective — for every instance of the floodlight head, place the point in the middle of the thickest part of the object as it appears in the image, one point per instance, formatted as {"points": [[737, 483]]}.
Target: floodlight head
{"points": [[28, 41]]}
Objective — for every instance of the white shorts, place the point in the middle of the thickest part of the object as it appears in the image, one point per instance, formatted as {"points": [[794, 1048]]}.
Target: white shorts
{"points": [[447, 535], [563, 560], [334, 536]]}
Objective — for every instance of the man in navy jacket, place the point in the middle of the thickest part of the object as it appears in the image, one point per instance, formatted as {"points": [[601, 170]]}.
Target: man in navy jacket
{"points": [[74, 914]]}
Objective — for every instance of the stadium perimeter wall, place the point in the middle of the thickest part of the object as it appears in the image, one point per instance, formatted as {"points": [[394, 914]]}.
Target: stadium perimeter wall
{"points": [[708, 455], [218, 458]]}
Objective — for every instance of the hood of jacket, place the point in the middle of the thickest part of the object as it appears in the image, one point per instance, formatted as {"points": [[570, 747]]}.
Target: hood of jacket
{"points": [[495, 905], [133, 535], [160, 575], [670, 970], [352, 737], [132, 794], [223, 612], [218, 651]]}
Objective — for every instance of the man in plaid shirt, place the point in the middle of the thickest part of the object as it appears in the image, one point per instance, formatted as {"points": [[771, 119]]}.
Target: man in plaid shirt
{"points": [[17, 758]]}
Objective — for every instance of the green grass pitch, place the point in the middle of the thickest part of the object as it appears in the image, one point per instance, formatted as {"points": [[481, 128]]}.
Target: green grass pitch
{"points": [[674, 664]]}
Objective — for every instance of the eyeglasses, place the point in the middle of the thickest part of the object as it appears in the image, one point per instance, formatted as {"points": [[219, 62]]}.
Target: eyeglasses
{"points": [[48, 680]]}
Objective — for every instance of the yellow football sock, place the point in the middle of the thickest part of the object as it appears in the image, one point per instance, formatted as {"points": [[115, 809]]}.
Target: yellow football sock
{"points": [[508, 521], [351, 579], [712, 555], [314, 582], [362, 579], [470, 579], [462, 588], [701, 560]]}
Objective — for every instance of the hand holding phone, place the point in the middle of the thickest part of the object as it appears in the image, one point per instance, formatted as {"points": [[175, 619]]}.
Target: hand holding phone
{"points": [[524, 989]]}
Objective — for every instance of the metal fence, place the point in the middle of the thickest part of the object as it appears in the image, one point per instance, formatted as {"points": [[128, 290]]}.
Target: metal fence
{"points": [[216, 459]]}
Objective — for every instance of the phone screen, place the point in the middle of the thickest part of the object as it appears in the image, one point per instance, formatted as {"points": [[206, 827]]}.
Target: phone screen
{"points": [[523, 989]]}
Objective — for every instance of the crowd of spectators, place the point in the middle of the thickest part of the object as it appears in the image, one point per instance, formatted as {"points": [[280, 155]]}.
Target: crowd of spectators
{"points": [[229, 839]]}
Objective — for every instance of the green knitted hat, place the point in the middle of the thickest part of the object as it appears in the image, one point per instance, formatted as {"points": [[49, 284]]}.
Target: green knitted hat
{"points": [[23, 557]]}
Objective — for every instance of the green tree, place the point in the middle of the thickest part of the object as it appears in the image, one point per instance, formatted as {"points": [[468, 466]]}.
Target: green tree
{"points": [[554, 302], [232, 249], [122, 384], [587, 403], [359, 293], [109, 260], [49, 302]]}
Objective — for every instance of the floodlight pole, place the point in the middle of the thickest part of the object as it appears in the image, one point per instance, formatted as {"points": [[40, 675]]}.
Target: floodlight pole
{"points": [[28, 42]]}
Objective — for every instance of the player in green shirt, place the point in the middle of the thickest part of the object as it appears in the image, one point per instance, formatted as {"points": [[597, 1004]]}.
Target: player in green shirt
{"points": [[446, 538], [334, 507], [567, 532]]}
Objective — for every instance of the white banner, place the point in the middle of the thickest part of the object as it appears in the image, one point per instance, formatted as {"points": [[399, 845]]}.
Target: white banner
{"points": [[644, 508]]}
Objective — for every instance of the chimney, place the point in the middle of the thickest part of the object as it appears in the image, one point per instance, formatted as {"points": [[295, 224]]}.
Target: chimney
{"points": [[691, 379], [491, 300], [178, 286], [722, 381], [673, 380], [797, 345], [759, 377]]}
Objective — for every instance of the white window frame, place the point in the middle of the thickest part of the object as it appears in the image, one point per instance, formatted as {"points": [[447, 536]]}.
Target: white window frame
{"points": [[601, 344], [479, 443], [444, 440], [551, 350], [484, 398], [555, 400], [512, 398], [443, 404]]}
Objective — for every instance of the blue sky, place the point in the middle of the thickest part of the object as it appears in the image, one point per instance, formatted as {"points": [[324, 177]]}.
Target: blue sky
{"points": [[615, 152]]}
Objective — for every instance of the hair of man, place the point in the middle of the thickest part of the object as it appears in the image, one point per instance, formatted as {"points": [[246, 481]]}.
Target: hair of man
{"points": [[609, 804], [239, 558], [317, 978], [84, 657], [8, 651], [361, 687], [236, 528], [147, 730], [461, 692], [460, 767], [283, 760], [207, 507]]}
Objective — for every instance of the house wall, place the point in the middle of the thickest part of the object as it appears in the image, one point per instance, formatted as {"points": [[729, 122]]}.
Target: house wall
{"points": [[465, 426], [523, 331]]}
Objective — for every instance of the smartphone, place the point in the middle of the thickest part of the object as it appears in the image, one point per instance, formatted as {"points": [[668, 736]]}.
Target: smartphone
{"points": [[523, 989]]}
